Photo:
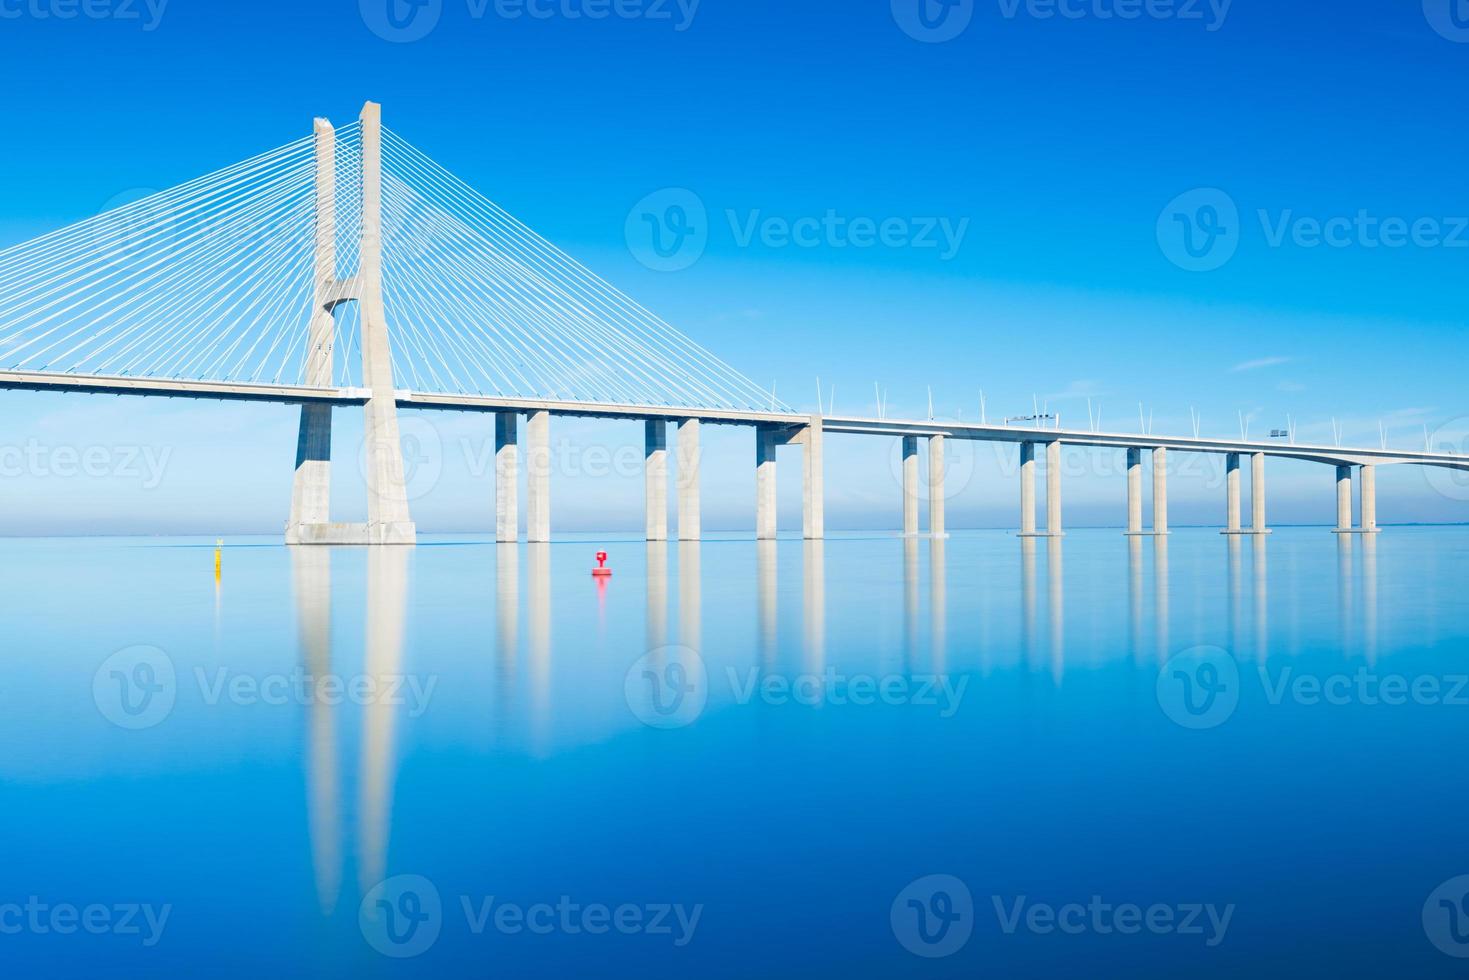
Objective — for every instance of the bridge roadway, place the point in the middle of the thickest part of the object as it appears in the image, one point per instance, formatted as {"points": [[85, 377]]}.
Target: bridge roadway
{"points": [[854, 425]]}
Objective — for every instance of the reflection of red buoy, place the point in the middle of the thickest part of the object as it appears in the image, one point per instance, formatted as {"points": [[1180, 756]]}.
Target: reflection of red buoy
{"points": [[601, 571]]}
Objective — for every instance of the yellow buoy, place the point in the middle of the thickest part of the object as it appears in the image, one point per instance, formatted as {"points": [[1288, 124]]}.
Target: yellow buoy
{"points": [[218, 545]]}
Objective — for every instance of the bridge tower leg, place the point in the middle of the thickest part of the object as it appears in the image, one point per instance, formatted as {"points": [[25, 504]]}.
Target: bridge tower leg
{"points": [[1134, 491], [813, 500], [388, 521], [936, 496], [910, 486], [687, 478], [765, 442], [311, 491], [655, 478], [507, 477], [1160, 490]]}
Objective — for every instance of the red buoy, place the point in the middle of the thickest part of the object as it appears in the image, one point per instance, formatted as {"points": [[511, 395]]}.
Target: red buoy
{"points": [[602, 571]]}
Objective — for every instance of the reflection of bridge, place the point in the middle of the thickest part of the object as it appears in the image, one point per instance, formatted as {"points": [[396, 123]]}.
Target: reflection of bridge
{"points": [[244, 284]]}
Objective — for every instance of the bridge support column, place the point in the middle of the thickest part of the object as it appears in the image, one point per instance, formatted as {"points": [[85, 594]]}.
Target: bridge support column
{"points": [[687, 449], [311, 492], [936, 497], [1053, 489], [765, 442], [1134, 491], [655, 478], [910, 486], [813, 500], [1369, 499], [1231, 483], [1027, 489], [1257, 494], [1343, 500], [507, 477], [538, 477], [1160, 490]]}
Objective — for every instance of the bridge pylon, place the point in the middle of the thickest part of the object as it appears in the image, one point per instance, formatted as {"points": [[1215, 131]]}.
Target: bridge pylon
{"points": [[388, 518]]}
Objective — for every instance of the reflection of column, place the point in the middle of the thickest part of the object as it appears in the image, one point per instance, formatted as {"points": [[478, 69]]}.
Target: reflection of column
{"points": [[1135, 595], [1160, 595], [938, 602], [1262, 639], [910, 603], [312, 581], [815, 593], [1056, 605], [657, 629], [1134, 491], [1236, 597], [910, 485], [507, 628], [1027, 599], [1369, 597], [387, 601], [690, 601], [1344, 589], [765, 602], [538, 635]]}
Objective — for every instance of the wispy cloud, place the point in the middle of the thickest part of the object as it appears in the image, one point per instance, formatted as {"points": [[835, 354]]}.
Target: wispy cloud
{"points": [[1263, 362], [1076, 389]]}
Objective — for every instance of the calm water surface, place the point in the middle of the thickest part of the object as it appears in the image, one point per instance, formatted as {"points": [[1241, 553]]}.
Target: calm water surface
{"points": [[1129, 758]]}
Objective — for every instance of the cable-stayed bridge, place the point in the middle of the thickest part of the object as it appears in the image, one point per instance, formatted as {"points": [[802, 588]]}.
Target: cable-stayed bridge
{"points": [[348, 269]]}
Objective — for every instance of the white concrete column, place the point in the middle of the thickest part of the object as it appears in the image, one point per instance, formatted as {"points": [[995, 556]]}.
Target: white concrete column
{"points": [[538, 477], [765, 439], [1160, 490], [813, 499], [1231, 483], [1343, 498], [1027, 489], [507, 477], [311, 490], [910, 486], [388, 520], [1053, 488], [687, 480], [1369, 499], [1257, 494], [1134, 491], [655, 478], [936, 499]]}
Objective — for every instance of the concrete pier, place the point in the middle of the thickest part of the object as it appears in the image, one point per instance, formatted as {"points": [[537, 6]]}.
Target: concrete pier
{"points": [[1134, 491], [655, 479], [1053, 489], [936, 497], [687, 480], [507, 477], [1160, 490], [1027, 490], [538, 477], [910, 486], [813, 496], [1343, 500], [765, 442], [1231, 483], [1257, 494], [1369, 499], [1368, 521]]}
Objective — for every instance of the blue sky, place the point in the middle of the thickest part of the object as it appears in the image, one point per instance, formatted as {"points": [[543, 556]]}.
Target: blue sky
{"points": [[1057, 143]]}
